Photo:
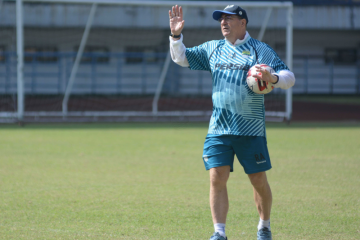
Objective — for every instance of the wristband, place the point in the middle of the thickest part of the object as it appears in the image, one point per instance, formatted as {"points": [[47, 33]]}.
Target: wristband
{"points": [[175, 36], [277, 78]]}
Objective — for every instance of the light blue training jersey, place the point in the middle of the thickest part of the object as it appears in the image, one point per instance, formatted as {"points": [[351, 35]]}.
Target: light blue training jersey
{"points": [[236, 109]]}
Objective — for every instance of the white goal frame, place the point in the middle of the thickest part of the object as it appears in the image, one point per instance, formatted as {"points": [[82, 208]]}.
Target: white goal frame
{"points": [[154, 113]]}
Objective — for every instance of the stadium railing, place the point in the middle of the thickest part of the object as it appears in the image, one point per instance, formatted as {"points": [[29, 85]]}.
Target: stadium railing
{"points": [[313, 74]]}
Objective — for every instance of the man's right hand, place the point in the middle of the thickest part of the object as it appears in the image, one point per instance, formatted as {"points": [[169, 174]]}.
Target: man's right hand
{"points": [[176, 20]]}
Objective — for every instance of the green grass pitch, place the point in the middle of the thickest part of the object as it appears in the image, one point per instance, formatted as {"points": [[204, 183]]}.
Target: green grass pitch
{"points": [[147, 181]]}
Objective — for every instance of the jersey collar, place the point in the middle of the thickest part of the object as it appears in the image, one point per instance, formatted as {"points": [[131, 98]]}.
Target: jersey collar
{"points": [[239, 42]]}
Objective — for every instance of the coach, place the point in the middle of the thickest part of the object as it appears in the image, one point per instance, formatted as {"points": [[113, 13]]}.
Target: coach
{"points": [[237, 124]]}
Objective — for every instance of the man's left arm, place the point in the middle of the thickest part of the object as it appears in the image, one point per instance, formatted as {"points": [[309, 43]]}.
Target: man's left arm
{"points": [[286, 79], [283, 79]]}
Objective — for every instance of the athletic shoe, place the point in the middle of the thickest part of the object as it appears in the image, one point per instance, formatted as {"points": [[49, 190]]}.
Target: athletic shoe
{"points": [[217, 236], [264, 234]]}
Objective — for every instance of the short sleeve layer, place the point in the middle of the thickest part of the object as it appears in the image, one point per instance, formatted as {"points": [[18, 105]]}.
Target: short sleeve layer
{"points": [[198, 57], [269, 57]]}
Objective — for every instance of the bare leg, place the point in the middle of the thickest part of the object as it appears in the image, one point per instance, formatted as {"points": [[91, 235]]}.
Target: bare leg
{"points": [[219, 202], [262, 194]]}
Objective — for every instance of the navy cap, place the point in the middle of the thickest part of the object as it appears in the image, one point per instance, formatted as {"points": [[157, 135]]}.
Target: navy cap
{"points": [[232, 10]]}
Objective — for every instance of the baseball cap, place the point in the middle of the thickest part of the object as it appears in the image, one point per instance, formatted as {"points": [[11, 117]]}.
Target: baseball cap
{"points": [[233, 10]]}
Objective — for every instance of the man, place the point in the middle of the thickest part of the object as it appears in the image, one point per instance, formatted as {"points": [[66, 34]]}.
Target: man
{"points": [[237, 124]]}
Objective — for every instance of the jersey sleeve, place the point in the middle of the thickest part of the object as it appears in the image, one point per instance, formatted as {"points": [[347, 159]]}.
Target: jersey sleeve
{"points": [[198, 57], [271, 59]]}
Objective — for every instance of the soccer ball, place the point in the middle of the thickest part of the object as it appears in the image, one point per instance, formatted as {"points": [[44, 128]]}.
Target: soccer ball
{"points": [[256, 85]]}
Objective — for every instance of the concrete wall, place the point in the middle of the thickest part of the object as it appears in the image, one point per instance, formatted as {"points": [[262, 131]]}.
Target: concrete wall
{"points": [[75, 15], [61, 26]]}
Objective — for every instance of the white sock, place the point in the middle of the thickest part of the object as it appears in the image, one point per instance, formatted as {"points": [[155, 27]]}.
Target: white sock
{"points": [[220, 228], [263, 223]]}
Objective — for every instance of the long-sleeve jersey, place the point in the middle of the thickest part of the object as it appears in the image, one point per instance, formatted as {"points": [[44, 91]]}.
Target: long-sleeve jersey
{"points": [[236, 109]]}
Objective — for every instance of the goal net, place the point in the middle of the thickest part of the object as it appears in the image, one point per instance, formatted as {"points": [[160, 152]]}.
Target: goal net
{"points": [[107, 60]]}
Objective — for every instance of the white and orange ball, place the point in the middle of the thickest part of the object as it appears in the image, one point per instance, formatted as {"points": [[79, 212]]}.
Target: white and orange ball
{"points": [[256, 85]]}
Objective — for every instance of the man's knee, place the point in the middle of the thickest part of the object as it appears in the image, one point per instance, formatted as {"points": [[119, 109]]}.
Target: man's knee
{"points": [[258, 180], [219, 175]]}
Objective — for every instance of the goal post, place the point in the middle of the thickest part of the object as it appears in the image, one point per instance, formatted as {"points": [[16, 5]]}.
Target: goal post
{"points": [[20, 59], [121, 68]]}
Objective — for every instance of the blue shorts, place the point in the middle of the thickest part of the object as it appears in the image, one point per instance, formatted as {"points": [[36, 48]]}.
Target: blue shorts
{"points": [[252, 152]]}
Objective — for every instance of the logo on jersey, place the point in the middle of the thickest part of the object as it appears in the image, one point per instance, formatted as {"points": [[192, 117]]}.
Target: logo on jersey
{"points": [[232, 55], [246, 53], [231, 66], [229, 55]]}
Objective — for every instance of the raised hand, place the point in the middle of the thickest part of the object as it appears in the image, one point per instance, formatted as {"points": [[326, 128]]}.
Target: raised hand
{"points": [[176, 20]]}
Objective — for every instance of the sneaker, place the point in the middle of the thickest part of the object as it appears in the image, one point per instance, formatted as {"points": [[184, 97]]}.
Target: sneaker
{"points": [[264, 234], [217, 236]]}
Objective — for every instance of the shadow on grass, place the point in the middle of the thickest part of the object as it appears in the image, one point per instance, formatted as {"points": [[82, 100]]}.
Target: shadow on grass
{"points": [[162, 125]]}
